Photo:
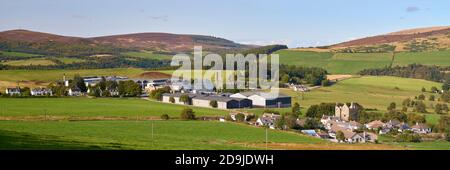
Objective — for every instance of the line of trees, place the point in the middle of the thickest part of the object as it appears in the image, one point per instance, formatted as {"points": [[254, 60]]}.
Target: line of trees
{"points": [[418, 71]]}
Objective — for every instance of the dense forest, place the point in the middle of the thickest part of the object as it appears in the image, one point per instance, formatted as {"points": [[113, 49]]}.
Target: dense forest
{"points": [[418, 71], [269, 49], [302, 75]]}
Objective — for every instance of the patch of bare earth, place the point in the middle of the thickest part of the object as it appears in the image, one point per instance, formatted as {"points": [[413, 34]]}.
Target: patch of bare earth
{"points": [[338, 77], [154, 75], [31, 84]]}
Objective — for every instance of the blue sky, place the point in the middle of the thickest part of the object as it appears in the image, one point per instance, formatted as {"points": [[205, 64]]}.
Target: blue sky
{"points": [[292, 22]]}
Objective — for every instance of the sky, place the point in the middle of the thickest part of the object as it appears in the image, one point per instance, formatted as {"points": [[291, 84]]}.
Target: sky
{"points": [[297, 23]]}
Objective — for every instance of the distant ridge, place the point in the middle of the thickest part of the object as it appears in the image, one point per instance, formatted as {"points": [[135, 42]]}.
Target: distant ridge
{"points": [[437, 37], [148, 41]]}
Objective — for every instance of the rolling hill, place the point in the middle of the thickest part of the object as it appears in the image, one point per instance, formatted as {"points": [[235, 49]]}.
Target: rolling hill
{"points": [[415, 40], [45, 43]]}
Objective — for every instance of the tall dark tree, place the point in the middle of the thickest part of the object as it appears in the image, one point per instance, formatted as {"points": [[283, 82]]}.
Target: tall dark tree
{"points": [[78, 81]]}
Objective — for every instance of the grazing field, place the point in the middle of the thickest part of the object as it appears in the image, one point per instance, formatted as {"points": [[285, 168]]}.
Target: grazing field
{"points": [[27, 62], [166, 134], [352, 63], [173, 135], [17, 54], [86, 107], [148, 55], [424, 145], [370, 91], [440, 58], [340, 63], [67, 60]]}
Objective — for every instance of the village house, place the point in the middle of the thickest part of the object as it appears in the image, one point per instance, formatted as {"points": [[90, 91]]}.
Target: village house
{"points": [[351, 136], [268, 119], [421, 128], [13, 91], [375, 125], [402, 127], [328, 121], [266, 100], [345, 112], [299, 88], [75, 91], [392, 123], [41, 92]]}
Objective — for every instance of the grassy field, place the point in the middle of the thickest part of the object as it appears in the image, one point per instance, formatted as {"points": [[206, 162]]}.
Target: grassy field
{"points": [[148, 55], [424, 145], [17, 54], [440, 58], [351, 63], [109, 107], [67, 60], [27, 62], [173, 135], [166, 134], [53, 75]]}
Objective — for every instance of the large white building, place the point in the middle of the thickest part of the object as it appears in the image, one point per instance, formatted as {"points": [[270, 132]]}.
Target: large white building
{"points": [[262, 99]]}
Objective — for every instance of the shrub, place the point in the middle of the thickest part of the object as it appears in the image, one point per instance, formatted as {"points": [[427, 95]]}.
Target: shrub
{"points": [[408, 138], [240, 117], [213, 103], [431, 98], [421, 97], [165, 117], [187, 114], [184, 98]]}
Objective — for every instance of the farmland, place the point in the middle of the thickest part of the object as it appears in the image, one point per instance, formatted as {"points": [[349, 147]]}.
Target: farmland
{"points": [[351, 63], [173, 135], [17, 54], [147, 55], [86, 107], [125, 123], [67, 60], [33, 61], [167, 134], [440, 58]]}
